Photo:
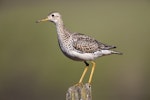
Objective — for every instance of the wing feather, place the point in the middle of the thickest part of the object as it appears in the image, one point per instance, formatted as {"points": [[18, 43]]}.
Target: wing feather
{"points": [[87, 44]]}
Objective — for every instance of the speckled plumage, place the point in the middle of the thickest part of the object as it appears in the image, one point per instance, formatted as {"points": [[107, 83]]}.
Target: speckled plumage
{"points": [[86, 44], [78, 46]]}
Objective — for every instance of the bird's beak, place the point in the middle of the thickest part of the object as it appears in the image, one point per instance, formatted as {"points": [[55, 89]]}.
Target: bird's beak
{"points": [[42, 20]]}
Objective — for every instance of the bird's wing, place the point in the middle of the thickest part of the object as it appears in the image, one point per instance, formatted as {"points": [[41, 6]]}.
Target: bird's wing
{"points": [[87, 44]]}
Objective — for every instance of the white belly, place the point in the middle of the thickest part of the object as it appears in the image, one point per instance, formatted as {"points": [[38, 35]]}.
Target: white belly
{"points": [[82, 56]]}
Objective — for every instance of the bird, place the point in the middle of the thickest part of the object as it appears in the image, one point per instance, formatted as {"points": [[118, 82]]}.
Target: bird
{"points": [[78, 46]]}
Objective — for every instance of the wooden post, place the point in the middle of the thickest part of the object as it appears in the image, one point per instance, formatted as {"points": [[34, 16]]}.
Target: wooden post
{"points": [[79, 92]]}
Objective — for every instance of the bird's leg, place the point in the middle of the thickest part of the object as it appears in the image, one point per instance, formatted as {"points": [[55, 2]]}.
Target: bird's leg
{"points": [[84, 72], [87, 64], [92, 72]]}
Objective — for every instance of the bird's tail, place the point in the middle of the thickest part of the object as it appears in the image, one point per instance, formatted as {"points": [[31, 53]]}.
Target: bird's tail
{"points": [[108, 52], [116, 52]]}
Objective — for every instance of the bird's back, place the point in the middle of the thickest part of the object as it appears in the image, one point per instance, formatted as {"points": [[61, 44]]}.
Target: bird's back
{"points": [[87, 44]]}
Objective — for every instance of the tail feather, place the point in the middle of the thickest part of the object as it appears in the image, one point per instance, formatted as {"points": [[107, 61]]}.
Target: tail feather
{"points": [[116, 52], [107, 47], [108, 52]]}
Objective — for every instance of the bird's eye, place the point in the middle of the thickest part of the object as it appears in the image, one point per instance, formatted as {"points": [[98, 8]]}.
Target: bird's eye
{"points": [[53, 15]]}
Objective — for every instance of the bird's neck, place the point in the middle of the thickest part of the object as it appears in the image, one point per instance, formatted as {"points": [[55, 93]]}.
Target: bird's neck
{"points": [[62, 32]]}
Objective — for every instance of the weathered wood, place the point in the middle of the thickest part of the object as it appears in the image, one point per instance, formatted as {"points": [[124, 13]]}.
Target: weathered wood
{"points": [[79, 92]]}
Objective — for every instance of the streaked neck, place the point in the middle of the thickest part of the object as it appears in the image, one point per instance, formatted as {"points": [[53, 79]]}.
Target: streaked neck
{"points": [[61, 30]]}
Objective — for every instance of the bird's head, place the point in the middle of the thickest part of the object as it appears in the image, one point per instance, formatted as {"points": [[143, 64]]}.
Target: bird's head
{"points": [[54, 17]]}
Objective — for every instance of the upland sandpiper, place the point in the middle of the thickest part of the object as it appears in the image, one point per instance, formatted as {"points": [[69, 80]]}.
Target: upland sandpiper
{"points": [[77, 46]]}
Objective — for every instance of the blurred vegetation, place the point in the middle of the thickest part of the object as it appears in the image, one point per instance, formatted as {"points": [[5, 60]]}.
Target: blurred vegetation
{"points": [[33, 68]]}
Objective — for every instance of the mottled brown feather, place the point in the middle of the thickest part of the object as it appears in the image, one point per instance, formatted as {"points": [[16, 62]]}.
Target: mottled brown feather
{"points": [[87, 44]]}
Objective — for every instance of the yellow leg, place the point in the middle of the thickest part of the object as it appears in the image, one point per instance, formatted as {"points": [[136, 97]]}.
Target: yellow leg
{"points": [[92, 71], [83, 74]]}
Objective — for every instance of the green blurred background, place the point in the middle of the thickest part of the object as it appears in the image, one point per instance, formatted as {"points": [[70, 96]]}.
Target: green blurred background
{"points": [[32, 66]]}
